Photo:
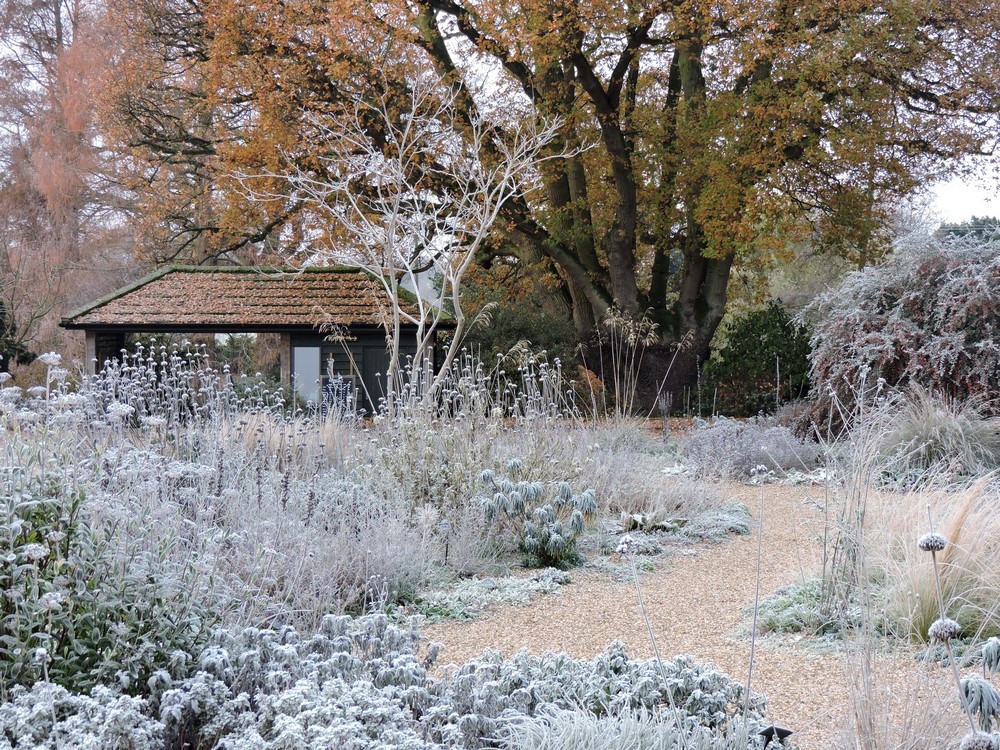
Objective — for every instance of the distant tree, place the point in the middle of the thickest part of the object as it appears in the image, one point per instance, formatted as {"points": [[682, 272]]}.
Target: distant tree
{"points": [[170, 133], [980, 227], [423, 207], [58, 220]]}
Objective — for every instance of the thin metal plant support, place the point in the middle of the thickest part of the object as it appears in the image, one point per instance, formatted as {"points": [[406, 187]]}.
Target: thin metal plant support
{"points": [[756, 604], [678, 717]]}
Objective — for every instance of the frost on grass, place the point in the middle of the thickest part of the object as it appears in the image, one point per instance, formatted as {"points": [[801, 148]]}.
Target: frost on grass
{"points": [[468, 598], [799, 608]]}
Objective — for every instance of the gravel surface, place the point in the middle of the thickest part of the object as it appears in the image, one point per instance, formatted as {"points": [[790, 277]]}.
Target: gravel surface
{"points": [[698, 604]]}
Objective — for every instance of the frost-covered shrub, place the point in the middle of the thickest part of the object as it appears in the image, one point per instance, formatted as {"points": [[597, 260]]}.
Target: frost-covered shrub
{"points": [[48, 715], [433, 450], [364, 684], [470, 597], [71, 608], [624, 464], [718, 523], [798, 608], [734, 449], [609, 685], [546, 521], [580, 730], [929, 315]]}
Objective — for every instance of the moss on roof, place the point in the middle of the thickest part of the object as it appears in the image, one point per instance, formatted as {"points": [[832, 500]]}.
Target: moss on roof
{"points": [[198, 297]]}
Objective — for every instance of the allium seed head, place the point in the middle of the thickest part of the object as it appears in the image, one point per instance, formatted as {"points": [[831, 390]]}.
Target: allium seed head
{"points": [[943, 629], [932, 542], [978, 741]]}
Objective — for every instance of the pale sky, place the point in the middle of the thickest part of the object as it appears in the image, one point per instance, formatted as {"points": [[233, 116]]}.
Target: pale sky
{"points": [[959, 199]]}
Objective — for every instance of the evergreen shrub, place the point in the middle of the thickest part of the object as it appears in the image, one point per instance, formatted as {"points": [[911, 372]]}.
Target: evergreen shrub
{"points": [[764, 362]]}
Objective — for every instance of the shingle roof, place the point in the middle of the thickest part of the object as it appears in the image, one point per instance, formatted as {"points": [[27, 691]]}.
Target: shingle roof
{"points": [[191, 298]]}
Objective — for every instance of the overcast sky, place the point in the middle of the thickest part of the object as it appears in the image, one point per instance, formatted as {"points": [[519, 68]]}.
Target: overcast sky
{"points": [[959, 199]]}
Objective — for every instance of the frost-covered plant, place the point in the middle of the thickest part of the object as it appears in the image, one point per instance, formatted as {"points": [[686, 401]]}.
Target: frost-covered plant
{"points": [[48, 715], [608, 685], [580, 730], [982, 699], [366, 683], [718, 523], [798, 608], [990, 655], [470, 597], [933, 436], [928, 315], [546, 521], [171, 384], [968, 568], [733, 449], [69, 603], [977, 698], [433, 451]]}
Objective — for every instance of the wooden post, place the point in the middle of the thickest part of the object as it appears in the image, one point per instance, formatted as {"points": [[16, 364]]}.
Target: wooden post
{"points": [[285, 358], [90, 354]]}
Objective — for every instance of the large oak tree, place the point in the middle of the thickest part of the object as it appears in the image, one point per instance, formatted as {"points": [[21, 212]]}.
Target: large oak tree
{"points": [[701, 135]]}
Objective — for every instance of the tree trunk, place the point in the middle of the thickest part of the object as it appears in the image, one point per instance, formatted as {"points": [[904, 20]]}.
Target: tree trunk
{"points": [[672, 365]]}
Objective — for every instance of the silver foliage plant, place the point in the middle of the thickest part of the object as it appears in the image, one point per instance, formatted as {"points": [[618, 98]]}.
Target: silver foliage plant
{"points": [[365, 683], [545, 520], [734, 449]]}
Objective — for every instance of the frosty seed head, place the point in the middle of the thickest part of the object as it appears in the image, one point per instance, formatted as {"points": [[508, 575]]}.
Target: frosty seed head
{"points": [[978, 741], [626, 545], [943, 629], [932, 542]]}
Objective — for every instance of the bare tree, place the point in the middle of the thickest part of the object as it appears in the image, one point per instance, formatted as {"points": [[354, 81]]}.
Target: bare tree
{"points": [[412, 195]]}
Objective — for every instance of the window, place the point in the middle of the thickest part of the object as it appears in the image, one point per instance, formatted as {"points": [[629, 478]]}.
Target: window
{"points": [[305, 373]]}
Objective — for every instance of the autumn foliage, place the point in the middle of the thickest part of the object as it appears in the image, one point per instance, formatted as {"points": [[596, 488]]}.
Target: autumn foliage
{"points": [[697, 139]]}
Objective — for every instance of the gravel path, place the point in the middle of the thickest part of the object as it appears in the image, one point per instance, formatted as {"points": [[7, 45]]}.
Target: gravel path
{"points": [[697, 604]]}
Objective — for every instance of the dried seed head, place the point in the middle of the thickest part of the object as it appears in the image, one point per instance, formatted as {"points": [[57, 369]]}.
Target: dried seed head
{"points": [[932, 542], [943, 629], [626, 546], [978, 741]]}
